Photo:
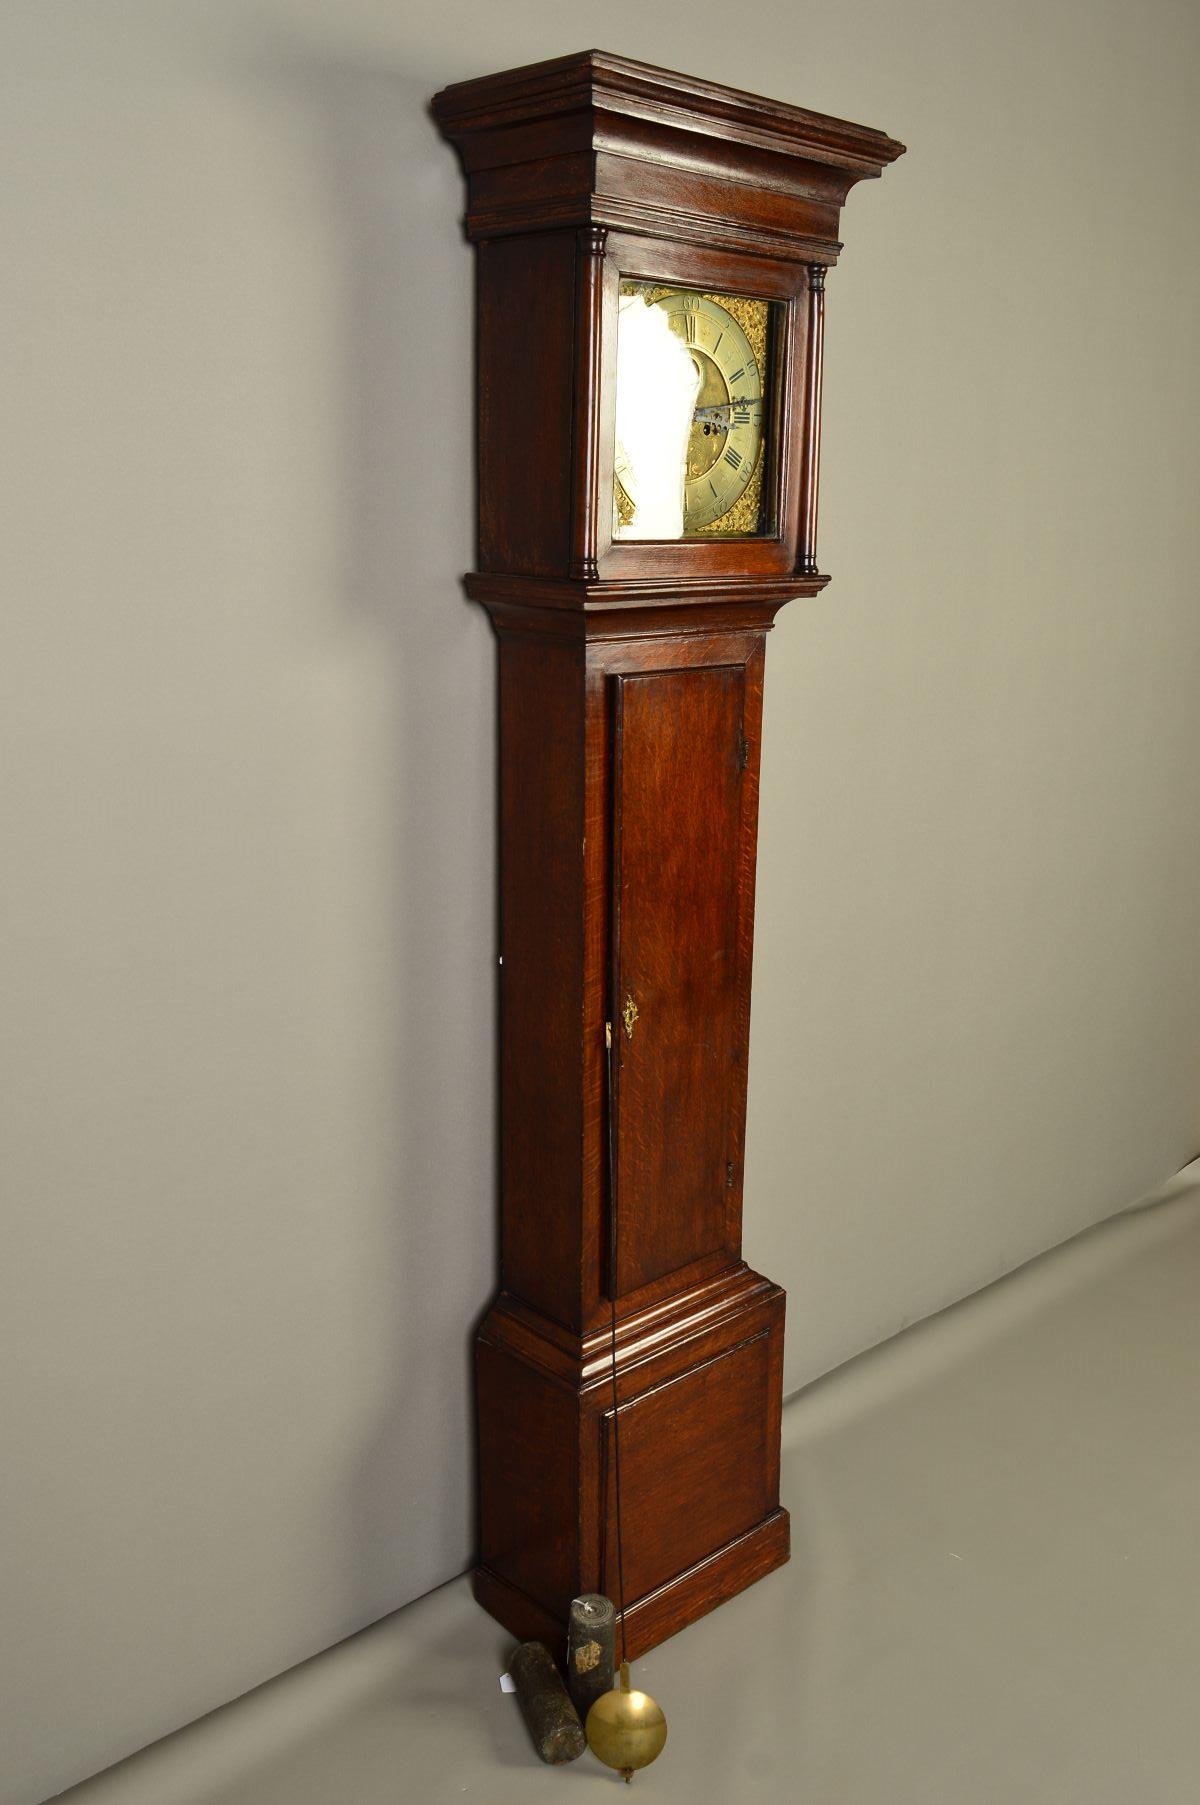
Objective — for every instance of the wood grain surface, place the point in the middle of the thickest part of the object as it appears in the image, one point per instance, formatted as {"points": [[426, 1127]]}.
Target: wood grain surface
{"points": [[629, 728]]}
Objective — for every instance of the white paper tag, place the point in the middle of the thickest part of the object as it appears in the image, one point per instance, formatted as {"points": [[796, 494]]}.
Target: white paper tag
{"points": [[507, 1683]]}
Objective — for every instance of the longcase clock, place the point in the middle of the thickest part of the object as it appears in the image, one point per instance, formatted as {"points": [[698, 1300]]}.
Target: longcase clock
{"points": [[650, 289]]}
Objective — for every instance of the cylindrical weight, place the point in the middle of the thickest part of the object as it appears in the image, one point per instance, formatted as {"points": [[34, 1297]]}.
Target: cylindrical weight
{"points": [[590, 1639], [551, 1718]]}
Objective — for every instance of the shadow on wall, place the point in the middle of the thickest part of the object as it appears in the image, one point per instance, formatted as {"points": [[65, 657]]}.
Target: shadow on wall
{"points": [[395, 194]]}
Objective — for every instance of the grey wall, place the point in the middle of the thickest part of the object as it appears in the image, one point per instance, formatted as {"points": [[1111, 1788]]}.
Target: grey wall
{"points": [[247, 770]]}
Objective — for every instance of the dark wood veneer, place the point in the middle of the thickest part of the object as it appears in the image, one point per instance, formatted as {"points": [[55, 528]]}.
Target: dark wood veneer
{"points": [[679, 959], [630, 719]]}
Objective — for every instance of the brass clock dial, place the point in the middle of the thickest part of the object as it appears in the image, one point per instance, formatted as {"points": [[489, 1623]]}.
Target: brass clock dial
{"points": [[692, 401]]}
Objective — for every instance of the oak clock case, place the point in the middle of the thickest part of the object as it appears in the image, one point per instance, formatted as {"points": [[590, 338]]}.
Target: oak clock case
{"points": [[655, 248]]}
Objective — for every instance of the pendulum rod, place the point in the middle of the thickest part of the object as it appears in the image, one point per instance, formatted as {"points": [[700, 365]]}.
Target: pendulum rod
{"points": [[613, 1244]]}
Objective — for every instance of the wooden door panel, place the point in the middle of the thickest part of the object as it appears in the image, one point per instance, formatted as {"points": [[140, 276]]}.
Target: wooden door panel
{"points": [[693, 1468], [679, 753]]}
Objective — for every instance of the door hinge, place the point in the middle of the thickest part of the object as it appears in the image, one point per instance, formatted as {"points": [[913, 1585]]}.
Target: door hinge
{"points": [[743, 752]]}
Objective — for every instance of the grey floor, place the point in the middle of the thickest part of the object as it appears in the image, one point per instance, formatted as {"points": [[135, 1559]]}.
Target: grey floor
{"points": [[993, 1595]]}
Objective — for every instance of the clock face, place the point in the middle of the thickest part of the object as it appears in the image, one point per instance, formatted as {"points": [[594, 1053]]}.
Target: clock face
{"points": [[693, 410]]}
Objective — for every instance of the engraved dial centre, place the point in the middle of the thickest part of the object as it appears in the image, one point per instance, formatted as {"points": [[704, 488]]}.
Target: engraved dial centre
{"points": [[709, 432]]}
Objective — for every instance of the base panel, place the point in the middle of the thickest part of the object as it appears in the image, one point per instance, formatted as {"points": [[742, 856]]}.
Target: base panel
{"points": [[700, 1382], [650, 1620]]}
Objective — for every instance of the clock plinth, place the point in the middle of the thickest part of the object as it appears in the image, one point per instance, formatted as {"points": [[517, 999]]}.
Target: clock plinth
{"points": [[700, 1385], [630, 717]]}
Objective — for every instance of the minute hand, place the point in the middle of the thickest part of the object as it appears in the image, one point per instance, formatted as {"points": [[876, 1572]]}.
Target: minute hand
{"points": [[724, 407]]}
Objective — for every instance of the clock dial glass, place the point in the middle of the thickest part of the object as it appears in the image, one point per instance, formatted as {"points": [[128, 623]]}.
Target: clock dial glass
{"points": [[693, 413]]}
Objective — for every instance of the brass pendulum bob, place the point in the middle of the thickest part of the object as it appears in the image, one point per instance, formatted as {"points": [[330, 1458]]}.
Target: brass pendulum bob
{"points": [[626, 1729]]}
